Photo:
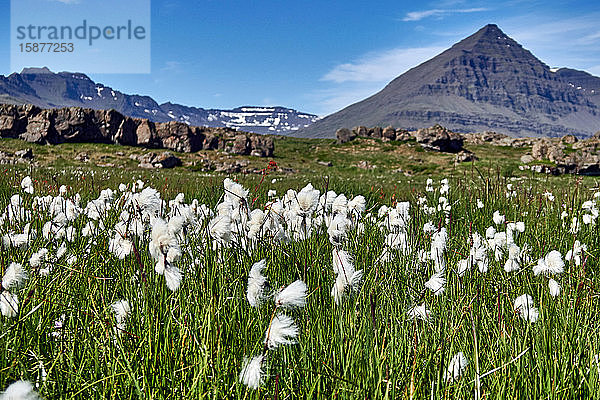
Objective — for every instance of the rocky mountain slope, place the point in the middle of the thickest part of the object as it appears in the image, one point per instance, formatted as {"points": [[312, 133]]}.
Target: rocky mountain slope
{"points": [[486, 82], [43, 88]]}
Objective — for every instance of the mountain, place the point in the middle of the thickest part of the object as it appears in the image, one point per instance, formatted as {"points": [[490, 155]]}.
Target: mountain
{"points": [[43, 88], [486, 82], [581, 80]]}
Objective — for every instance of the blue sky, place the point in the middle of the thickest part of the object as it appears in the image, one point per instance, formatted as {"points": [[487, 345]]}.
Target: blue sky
{"points": [[319, 56]]}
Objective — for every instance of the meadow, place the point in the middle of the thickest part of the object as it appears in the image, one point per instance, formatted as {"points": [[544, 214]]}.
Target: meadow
{"points": [[474, 283]]}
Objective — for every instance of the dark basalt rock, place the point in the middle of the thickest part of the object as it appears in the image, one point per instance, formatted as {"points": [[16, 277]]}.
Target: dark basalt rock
{"points": [[344, 135], [438, 138], [74, 124]]}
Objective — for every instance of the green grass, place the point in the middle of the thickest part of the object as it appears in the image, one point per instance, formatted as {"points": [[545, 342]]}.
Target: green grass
{"points": [[191, 343]]}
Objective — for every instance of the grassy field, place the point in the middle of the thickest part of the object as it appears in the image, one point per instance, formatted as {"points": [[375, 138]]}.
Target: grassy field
{"points": [[434, 280]]}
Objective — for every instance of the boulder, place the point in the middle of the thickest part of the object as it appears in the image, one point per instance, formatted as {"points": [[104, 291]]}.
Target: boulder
{"points": [[241, 145], [465, 156], [438, 138], [210, 142], [232, 167], [6, 158], [177, 136], [377, 133], [261, 146], [344, 135], [569, 139], [556, 154], [26, 154], [11, 123], [76, 124], [166, 160], [82, 157], [39, 128], [388, 133], [361, 131], [144, 132], [539, 151], [545, 149], [162, 160], [526, 158]]}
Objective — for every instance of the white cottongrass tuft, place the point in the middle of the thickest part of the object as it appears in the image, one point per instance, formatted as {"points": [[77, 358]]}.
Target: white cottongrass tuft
{"points": [[251, 374], [9, 304], [38, 258], [419, 312], [282, 331], [122, 309], [498, 219], [439, 242], [457, 366], [294, 295], [346, 275], [524, 306], [173, 277], [27, 185], [20, 390], [436, 283], [14, 276], [256, 283], [575, 253], [550, 265], [512, 264], [554, 287]]}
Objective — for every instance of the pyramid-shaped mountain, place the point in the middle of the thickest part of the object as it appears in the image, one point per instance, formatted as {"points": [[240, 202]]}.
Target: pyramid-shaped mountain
{"points": [[486, 82]]}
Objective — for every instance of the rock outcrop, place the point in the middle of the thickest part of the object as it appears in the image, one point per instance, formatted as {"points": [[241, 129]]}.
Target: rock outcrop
{"points": [[75, 124], [438, 138], [344, 135], [154, 160], [435, 138]]}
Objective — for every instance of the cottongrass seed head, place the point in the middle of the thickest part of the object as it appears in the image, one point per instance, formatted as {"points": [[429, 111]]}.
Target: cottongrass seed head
{"points": [[256, 283], [550, 265], [252, 373], [121, 309], [14, 276], [525, 307], [436, 283], [282, 331], [9, 304], [347, 276], [554, 287], [456, 367], [20, 390], [294, 295], [419, 312]]}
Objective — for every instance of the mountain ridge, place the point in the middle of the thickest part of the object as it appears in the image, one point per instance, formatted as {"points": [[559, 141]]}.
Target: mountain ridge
{"points": [[484, 82], [46, 89]]}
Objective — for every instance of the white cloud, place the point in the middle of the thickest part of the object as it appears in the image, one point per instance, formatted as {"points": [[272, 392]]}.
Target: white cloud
{"points": [[595, 70], [419, 15], [173, 66], [333, 99], [69, 1], [381, 66], [569, 42], [350, 82]]}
